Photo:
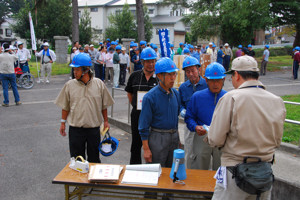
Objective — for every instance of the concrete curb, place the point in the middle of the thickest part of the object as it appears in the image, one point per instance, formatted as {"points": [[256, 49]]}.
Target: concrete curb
{"points": [[290, 148]]}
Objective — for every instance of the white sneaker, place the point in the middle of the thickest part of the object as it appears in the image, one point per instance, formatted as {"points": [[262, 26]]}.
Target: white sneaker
{"points": [[47, 81]]}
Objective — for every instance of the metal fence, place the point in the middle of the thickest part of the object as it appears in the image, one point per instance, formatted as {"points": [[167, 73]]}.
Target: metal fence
{"points": [[128, 111]]}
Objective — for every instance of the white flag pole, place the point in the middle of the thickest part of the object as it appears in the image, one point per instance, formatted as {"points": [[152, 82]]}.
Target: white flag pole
{"points": [[33, 44]]}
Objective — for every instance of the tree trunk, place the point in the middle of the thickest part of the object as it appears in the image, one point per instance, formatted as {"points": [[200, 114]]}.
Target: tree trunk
{"points": [[140, 19], [75, 21], [297, 38]]}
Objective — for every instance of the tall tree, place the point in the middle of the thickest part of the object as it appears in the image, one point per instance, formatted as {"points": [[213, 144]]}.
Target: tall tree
{"points": [[75, 21], [85, 28], [53, 19], [148, 25], [9, 8], [140, 19], [287, 12], [122, 25]]}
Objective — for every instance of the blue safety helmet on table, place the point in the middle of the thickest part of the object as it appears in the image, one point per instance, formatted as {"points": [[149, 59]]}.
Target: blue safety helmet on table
{"points": [[190, 61], [148, 54], [111, 141], [165, 65], [215, 71]]}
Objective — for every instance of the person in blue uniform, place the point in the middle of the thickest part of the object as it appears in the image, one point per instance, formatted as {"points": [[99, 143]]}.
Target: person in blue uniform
{"points": [[158, 123], [199, 115], [140, 81], [195, 83], [220, 55], [136, 59]]}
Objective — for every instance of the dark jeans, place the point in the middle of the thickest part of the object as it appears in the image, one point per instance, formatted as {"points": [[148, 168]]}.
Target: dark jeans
{"points": [[263, 67], [295, 69], [122, 77], [6, 79], [136, 142], [81, 137], [24, 64], [226, 62]]}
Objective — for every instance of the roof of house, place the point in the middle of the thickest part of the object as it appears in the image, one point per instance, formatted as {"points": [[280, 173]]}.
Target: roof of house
{"points": [[165, 19], [82, 3]]}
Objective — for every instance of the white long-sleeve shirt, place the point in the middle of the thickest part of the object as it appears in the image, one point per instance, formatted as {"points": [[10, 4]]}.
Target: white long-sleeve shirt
{"points": [[109, 59], [46, 58], [23, 54], [124, 59]]}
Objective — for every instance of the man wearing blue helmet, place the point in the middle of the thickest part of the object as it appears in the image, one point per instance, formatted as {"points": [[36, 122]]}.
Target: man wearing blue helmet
{"points": [[265, 59], [195, 82], [238, 53], [84, 101], [158, 123], [180, 49], [199, 115], [139, 83], [172, 51], [116, 66], [251, 52]]}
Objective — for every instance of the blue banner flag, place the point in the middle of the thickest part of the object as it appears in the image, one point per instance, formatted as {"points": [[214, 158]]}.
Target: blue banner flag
{"points": [[164, 42]]}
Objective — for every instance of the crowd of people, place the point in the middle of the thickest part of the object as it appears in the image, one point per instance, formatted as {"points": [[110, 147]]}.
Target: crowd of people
{"points": [[218, 123]]}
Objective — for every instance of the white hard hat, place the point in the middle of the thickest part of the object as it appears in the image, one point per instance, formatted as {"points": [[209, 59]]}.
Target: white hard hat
{"points": [[19, 43], [91, 45], [46, 44], [123, 48], [210, 43], [226, 45], [86, 45]]}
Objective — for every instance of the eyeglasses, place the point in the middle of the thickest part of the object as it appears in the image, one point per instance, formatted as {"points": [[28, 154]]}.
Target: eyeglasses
{"points": [[171, 74]]}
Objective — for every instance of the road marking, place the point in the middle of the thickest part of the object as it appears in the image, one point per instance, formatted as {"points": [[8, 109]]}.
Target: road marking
{"points": [[37, 102]]}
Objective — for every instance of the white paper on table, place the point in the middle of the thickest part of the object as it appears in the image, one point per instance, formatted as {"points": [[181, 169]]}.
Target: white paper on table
{"points": [[140, 96]]}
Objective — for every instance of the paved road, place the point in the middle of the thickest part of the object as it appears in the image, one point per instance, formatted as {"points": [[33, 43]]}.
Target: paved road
{"points": [[32, 152]]}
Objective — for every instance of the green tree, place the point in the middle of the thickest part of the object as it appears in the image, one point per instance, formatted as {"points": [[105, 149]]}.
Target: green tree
{"points": [[148, 25], [85, 28], [9, 7], [287, 12], [122, 25], [53, 19]]}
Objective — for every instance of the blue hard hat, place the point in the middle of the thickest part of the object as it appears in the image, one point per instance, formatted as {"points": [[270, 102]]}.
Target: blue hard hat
{"points": [[215, 71], [249, 46], [113, 43], [190, 61], [108, 140], [100, 43], [166, 65], [190, 46], [148, 54], [134, 44], [171, 45], [186, 50], [240, 46], [267, 46], [180, 44], [118, 47], [154, 46], [214, 45], [81, 59], [297, 48], [142, 42], [131, 42], [151, 45], [107, 39]]}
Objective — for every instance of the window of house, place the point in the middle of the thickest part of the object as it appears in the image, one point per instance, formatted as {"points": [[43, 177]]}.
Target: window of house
{"points": [[118, 12], [97, 31], [79, 14], [133, 12], [94, 9], [151, 11], [171, 13], [8, 32], [1, 31]]}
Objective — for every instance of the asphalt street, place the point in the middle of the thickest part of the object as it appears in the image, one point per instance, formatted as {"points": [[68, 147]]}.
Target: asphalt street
{"points": [[32, 152]]}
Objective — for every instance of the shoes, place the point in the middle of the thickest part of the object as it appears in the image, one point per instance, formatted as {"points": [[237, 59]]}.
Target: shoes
{"points": [[5, 105], [47, 81], [40, 81], [18, 103]]}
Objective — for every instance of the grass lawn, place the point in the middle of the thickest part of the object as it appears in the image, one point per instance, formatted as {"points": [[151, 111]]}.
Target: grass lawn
{"points": [[57, 69], [275, 62], [292, 131]]}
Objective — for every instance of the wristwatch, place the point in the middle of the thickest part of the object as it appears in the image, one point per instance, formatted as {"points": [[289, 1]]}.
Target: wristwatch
{"points": [[63, 120]]}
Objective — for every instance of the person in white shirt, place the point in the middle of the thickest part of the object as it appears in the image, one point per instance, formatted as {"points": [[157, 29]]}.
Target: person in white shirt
{"points": [[109, 70], [99, 63], [124, 63], [23, 56], [48, 57]]}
